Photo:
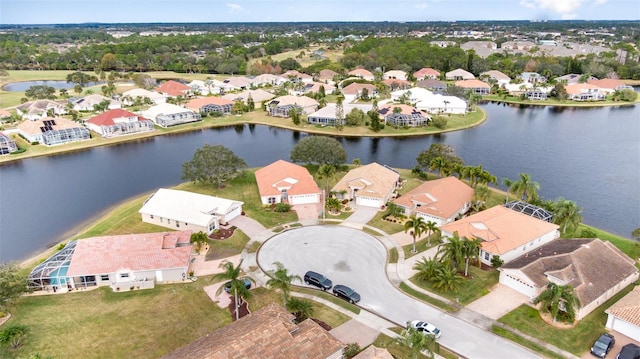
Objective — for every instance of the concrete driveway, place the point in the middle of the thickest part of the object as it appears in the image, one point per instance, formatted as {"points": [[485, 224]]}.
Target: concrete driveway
{"points": [[353, 258], [361, 216], [508, 298]]}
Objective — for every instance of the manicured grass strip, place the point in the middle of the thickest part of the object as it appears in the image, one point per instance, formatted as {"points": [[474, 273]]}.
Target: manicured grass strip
{"points": [[425, 298], [421, 246], [393, 255], [328, 297], [395, 349], [472, 288], [524, 342]]}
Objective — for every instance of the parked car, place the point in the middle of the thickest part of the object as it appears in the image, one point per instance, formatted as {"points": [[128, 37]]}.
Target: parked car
{"points": [[245, 281], [629, 351], [603, 345], [346, 293], [426, 328], [317, 279]]}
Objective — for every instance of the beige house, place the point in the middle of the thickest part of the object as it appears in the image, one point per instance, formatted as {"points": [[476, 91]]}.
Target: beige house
{"points": [[440, 201], [503, 232], [182, 210], [287, 182], [596, 269], [371, 185], [624, 315], [362, 74], [459, 74], [266, 333]]}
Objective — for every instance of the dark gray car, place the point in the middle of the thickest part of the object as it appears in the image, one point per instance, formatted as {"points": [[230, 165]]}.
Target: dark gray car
{"points": [[346, 293], [603, 345], [318, 280]]}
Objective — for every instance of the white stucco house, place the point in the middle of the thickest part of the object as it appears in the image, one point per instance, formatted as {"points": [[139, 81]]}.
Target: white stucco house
{"points": [[624, 315]]}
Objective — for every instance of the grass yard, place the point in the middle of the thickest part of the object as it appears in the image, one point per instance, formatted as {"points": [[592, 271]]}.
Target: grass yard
{"points": [[525, 343], [421, 245], [576, 340], [474, 287], [428, 299]]}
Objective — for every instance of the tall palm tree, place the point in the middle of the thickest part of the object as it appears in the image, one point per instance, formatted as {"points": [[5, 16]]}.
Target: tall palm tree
{"points": [[417, 342], [417, 226], [432, 227], [451, 252], [567, 214], [470, 250], [326, 172], [525, 188], [301, 308], [232, 274], [558, 298], [281, 279], [481, 194]]}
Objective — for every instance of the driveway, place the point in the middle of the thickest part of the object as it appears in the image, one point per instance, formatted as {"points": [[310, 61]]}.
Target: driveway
{"points": [[249, 226], [361, 216], [508, 298], [356, 259]]}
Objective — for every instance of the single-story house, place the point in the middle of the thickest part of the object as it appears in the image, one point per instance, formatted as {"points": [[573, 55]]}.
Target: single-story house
{"points": [[570, 79], [440, 201], [425, 100], [166, 115], [173, 88], [208, 87], [118, 122], [34, 110], [433, 85], [624, 315], [258, 96], [596, 269], [536, 95], [532, 77], [327, 76], [296, 76], [373, 352], [476, 87], [395, 84], [371, 185], [459, 74], [394, 74], [504, 232], [312, 87], [89, 102], [362, 74], [129, 97], [123, 262], [181, 210], [609, 85], [585, 92], [236, 83], [281, 106], [286, 182], [4, 114], [426, 73], [498, 76], [7, 145], [269, 332], [400, 115], [53, 131], [205, 105], [354, 91], [267, 79], [327, 115], [518, 45]]}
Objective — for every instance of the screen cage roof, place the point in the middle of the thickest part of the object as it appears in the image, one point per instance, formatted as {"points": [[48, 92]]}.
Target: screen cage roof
{"points": [[530, 210]]}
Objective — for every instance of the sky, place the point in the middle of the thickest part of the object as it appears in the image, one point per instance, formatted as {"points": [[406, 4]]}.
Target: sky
{"points": [[143, 11]]}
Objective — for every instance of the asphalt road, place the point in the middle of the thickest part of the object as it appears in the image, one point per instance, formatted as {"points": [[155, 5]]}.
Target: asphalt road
{"points": [[351, 257]]}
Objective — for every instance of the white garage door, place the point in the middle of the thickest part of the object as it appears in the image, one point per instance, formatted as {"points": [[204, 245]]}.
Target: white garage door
{"points": [[626, 328], [233, 214], [368, 202], [304, 199], [513, 283]]}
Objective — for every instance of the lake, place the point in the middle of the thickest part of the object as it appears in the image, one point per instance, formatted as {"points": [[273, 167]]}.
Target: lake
{"points": [[58, 85], [590, 156]]}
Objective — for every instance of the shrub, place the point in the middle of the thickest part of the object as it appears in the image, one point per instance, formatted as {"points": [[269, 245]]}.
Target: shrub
{"points": [[496, 262], [588, 233], [439, 122], [282, 207], [351, 350], [13, 336]]}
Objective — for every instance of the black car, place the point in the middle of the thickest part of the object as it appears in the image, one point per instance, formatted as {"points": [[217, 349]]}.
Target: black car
{"points": [[317, 279], [629, 351], [602, 346], [346, 293]]}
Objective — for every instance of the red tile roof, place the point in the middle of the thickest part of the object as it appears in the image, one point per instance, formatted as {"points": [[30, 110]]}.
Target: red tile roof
{"points": [[356, 88], [173, 88], [283, 174], [441, 198], [628, 307], [607, 83], [145, 251], [361, 73], [106, 118], [426, 71], [399, 83], [197, 103], [472, 84]]}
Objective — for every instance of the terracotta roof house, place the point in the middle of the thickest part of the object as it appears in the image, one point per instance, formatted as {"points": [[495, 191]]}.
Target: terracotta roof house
{"points": [[610, 84], [327, 76], [597, 270], [373, 352], [128, 97], [210, 104], [624, 315], [477, 87], [433, 85], [53, 131], [34, 110], [371, 185], [362, 74], [401, 115], [118, 122], [167, 115], [497, 76], [182, 210], [4, 113], [130, 261], [268, 333], [503, 232], [286, 182], [426, 73], [89, 102], [395, 84], [296, 76], [281, 106], [440, 201], [258, 96], [7, 145], [459, 74], [173, 88], [353, 91], [394, 74], [326, 116], [585, 92]]}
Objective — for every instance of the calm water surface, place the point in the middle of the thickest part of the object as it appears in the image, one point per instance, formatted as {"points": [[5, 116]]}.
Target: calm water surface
{"points": [[24, 85], [591, 156]]}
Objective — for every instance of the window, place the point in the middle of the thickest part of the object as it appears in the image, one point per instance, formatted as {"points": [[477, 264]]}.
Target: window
{"points": [[178, 224], [168, 221], [104, 277], [272, 200], [151, 216], [486, 256], [124, 275]]}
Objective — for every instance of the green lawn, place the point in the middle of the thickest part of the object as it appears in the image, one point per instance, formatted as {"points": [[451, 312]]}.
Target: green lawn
{"points": [[576, 340], [427, 298], [628, 246], [524, 342], [473, 287]]}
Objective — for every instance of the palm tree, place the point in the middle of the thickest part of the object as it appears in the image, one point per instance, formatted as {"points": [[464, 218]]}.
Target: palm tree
{"points": [[326, 172], [470, 249], [567, 214], [301, 308], [481, 194], [417, 226], [432, 227], [446, 279], [439, 164], [558, 298], [427, 268], [281, 279], [451, 252], [333, 204], [525, 188], [417, 342], [232, 274]]}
